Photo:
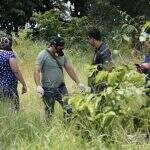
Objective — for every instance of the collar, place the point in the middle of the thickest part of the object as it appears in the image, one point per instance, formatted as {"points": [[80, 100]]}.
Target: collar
{"points": [[97, 49]]}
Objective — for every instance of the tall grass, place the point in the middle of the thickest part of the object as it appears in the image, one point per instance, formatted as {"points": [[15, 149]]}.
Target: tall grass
{"points": [[29, 130]]}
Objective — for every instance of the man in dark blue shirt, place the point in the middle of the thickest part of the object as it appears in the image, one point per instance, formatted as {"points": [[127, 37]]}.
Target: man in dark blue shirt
{"points": [[101, 57], [102, 54]]}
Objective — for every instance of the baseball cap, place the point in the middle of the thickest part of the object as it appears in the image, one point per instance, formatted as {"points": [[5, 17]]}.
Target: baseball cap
{"points": [[57, 41]]}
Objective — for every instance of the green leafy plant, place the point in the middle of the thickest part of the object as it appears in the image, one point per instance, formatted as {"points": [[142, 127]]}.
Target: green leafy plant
{"points": [[121, 99]]}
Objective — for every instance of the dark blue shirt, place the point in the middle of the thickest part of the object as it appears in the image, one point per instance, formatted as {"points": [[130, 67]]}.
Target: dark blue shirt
{"points": [[147, 58], [101, 55], [147, 72], [7, 77]]}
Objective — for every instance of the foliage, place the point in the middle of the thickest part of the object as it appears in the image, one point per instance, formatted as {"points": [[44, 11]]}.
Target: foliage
{"points": [[146, 25], [132, 7], [49, 25], [75, 33], [122, 98], [80, 7], [15, 13], [106, 13], [116, 20], [29, 130]]}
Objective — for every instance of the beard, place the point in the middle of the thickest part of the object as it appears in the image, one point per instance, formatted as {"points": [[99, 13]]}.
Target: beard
{"points": [[60, 52]]}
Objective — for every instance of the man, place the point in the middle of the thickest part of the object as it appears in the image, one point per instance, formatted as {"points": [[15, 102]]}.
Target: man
{"points": [[101, 58], [49, 77], [102, 54]]}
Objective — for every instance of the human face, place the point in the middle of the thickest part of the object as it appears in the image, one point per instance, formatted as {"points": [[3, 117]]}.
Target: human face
{"points": [[91, 41], [59, 50]]}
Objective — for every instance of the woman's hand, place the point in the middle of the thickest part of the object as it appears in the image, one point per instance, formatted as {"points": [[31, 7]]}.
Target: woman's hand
{"points": [[24, 89]]}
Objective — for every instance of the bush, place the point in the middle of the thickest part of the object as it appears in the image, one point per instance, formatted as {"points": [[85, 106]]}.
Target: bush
{"points": [[121, 101], [49, 24]]}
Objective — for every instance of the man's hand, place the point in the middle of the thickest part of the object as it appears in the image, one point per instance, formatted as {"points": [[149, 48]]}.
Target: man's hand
{"points": [[40, 90], [139, 68], [83, 88], [145, 66], [88, 89]]}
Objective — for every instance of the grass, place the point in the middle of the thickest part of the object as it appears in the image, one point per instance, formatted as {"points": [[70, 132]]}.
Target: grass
{"points": [[28, 130]]}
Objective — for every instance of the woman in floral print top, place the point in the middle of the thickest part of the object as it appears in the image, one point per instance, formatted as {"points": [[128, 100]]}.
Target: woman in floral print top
{"points": [[9, 73]]}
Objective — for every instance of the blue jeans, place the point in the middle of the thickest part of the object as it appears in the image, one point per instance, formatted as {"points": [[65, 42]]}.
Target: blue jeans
{"points": [[56, 94]]}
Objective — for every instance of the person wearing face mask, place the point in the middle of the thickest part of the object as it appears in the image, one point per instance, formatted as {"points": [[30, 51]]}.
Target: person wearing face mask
{"points": [[49, 76]]}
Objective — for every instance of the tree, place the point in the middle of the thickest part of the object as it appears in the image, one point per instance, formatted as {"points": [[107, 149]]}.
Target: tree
{"points": [[15, 13], [80, 7], [133, 7]]}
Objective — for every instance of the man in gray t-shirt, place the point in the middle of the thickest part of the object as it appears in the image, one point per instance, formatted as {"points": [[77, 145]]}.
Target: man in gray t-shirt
{"points": [[52, 75], [49, 77]]}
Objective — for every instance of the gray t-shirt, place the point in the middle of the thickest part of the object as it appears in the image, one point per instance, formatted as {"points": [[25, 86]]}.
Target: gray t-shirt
{"points": [[52, 75]]}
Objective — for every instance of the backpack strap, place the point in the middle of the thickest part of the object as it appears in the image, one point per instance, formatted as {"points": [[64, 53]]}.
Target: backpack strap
{"points": [[55, 59]]}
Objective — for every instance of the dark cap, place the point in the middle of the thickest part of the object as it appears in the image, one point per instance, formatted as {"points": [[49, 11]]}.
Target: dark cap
{"points": [[57, 41]]}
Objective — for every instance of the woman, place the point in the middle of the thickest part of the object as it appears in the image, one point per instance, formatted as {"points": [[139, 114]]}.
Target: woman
{"points": [[9, 73]]}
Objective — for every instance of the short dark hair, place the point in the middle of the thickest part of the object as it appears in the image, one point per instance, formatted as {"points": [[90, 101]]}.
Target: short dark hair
{"points": [[94, 33]]}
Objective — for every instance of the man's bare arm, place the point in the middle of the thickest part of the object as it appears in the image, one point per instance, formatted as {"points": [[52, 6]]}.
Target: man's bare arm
{"points": [[37, 75], [70, 70]]}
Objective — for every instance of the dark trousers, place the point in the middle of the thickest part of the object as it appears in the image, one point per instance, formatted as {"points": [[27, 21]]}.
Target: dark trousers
{"points": [[51, 95], [11, 96]]}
